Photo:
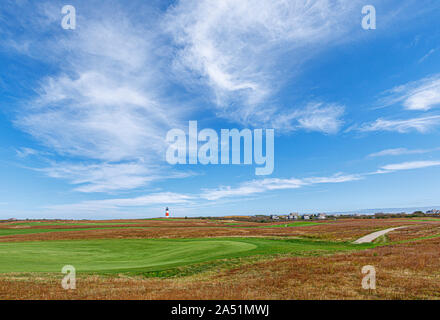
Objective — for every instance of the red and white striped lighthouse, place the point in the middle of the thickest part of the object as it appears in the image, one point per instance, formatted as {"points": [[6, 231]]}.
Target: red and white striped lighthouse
{"points": [[167, 214]]}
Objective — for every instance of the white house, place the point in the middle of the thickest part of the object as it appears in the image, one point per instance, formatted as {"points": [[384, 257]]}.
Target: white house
{"points": [[293, 216]]}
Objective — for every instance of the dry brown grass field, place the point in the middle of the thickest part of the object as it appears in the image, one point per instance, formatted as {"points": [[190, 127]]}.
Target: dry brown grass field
{"points": [[407, 262]]}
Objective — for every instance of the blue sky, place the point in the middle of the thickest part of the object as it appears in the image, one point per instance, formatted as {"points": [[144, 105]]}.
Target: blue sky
{"points": [[85, 112]]}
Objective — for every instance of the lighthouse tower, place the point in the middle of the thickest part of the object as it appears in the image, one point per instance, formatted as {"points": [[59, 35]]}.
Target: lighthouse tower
{"points": [[167, 214]]}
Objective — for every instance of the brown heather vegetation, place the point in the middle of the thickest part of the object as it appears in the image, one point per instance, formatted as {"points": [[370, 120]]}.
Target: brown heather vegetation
{"points": [[415, 231], [340, 230], [409, 270]]}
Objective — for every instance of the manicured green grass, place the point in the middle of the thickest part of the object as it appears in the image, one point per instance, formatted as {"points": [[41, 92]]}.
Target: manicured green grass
{"points": [[146, 255]]}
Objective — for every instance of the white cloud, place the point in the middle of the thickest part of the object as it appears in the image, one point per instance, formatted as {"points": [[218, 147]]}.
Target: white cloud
{"points": [[422, 124], [337, 178], [260, 186], [426, 56], [25, 152], [98, 115], [164, 198], [109, 177], [422, 95], [400, 151], [320, 117], [105, 106], [241, 49], [410, 165]]}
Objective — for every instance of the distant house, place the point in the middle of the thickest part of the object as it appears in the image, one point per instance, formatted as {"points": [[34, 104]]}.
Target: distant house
{"points": [[433, 211], [274, 217], [305, 217], [322, 216], [293, 216]]}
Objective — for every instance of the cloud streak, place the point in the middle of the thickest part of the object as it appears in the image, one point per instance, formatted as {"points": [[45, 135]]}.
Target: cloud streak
{"points": [[164, 198], [421, 95], [410, 165], [110, 177], [421, 124], [260, 186], [400, 151]]}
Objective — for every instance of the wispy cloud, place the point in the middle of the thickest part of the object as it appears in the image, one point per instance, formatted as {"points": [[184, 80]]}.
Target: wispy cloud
{"points": [[237, 49], [104, 105], [120, 203], [325, 118], [422, 95], [98, 115], [426, 56], [401, 151], [26, 152], [410, 165], [260, 186], [421, 124], [110, 177]]}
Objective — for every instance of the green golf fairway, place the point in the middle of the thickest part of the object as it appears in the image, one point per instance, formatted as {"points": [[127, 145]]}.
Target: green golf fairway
{"points": [[137, 255], [111, 255]]}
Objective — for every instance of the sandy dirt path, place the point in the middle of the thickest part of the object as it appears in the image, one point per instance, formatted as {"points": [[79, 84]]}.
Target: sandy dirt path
{"points": [[372, 236]]}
